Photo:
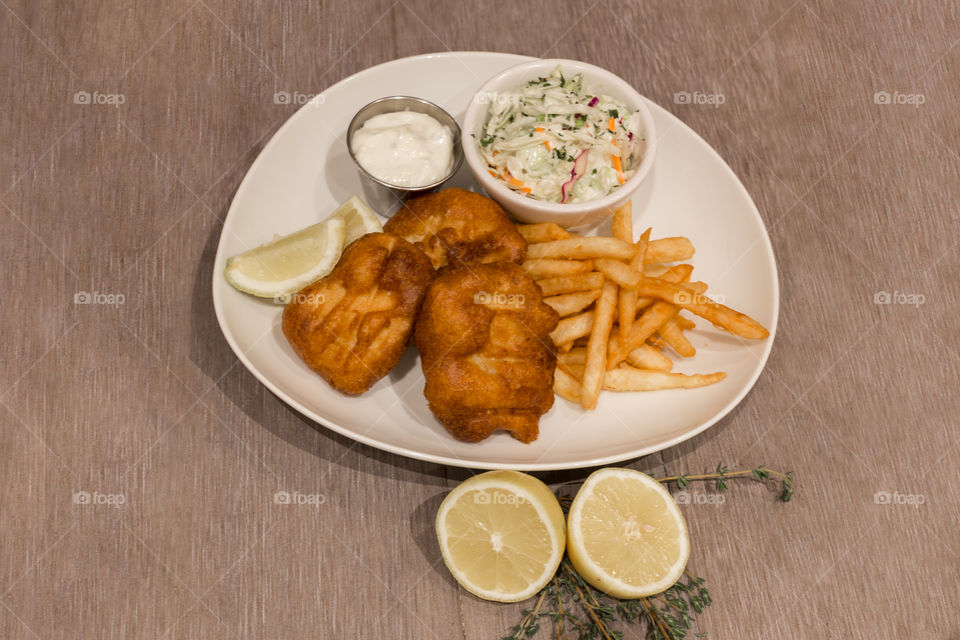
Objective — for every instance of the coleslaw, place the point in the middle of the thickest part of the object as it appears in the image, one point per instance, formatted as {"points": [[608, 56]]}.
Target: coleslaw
{"points": [[554, 140]]}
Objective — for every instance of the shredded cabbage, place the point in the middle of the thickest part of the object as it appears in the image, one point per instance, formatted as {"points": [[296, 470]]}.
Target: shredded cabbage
{"points": [[534, 133]]}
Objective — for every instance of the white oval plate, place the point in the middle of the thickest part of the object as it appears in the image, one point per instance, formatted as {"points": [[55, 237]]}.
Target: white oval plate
{"points": [[304, 172]]}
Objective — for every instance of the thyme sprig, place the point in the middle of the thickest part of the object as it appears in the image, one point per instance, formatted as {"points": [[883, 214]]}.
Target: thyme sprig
{"points": [[571, 606], [721, 475]]}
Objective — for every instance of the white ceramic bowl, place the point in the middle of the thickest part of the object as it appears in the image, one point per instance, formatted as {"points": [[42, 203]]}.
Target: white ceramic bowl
{"points": [[528, 209]]}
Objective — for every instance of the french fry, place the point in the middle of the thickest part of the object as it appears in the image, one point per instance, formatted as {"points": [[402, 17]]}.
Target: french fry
{"points": [[569, 284], [627, 302], [574, 356], [722, 316], [593, 374], [642, 303], [646, 357], [685, 323], [643, 357], [575, 371], [569, 329], [613, 344], [555, 267], [656, 342], [621, 226], [565, 385], [580, 248], [669, 250], [679, 273], [620, 272], [543, 232], [570, 303], [670, 276], [645, 326], [672, 334], [623, 379], [626, 308]]}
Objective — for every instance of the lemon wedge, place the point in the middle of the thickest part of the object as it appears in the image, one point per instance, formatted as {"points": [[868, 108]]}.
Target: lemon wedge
{"points": [[501, 535], [287, 264], [625, 534], [282, 267], [359, 218]]}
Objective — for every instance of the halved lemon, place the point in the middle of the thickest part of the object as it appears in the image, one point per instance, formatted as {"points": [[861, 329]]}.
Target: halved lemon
{"points": [[625, 534], [501, 535], [359, 218], [287, 264]]}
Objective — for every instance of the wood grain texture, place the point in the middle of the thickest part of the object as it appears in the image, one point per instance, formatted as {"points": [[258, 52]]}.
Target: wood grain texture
{"points": [[143, 406]]}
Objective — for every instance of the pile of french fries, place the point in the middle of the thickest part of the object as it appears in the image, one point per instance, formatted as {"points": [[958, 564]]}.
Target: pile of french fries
{"points": [[620, 302]]}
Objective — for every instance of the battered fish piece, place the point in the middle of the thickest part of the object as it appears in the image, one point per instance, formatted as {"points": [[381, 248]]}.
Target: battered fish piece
{"points": [[456, 226], [484, 339], [353, 326]]}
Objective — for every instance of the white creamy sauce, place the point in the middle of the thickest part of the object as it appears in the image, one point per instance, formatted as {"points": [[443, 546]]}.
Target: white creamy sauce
{"points": [[404, 148]]}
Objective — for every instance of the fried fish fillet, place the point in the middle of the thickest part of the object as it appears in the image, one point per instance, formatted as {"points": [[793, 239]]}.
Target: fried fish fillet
{"points": [[456, 226], [353, 326], [483, 336]]}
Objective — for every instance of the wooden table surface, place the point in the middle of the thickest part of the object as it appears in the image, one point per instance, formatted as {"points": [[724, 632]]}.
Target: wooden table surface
{"points": [[841, 120]]}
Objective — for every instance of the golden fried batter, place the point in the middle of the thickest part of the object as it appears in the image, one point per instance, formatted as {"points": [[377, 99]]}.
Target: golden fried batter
{"points": [[456, 226], [353, 326], [483, 336]]}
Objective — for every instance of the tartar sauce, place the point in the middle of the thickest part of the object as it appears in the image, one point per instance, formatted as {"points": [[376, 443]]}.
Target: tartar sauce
{"points": [[404, 148]]}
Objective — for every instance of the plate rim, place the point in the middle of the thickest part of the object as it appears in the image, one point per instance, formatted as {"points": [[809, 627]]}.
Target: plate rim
{"points": [[217, 285]]}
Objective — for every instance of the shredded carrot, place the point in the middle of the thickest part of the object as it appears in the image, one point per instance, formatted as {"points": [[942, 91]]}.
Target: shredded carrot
{"points": [[618, 167], [617, 164], [546, 143], [513, 182], [612, 124]]}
